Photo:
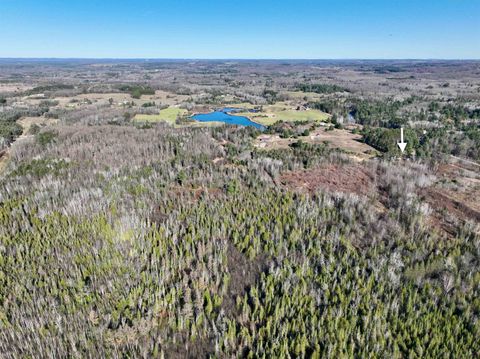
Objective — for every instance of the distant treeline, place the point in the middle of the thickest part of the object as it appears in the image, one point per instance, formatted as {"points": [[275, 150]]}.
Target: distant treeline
{"points": [[321, 88], [48, 88], [391, 113], [136, 91], [464, 142], [379, 113]]}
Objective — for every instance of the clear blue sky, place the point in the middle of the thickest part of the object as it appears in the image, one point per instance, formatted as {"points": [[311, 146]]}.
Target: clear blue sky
{"points": [[240, 29]]}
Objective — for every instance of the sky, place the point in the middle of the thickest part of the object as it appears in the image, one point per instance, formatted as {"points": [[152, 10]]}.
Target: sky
{"points": [[242, 29]]}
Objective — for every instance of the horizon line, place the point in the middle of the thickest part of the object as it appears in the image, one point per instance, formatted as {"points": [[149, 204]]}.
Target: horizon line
{"points": [[241, 59]]}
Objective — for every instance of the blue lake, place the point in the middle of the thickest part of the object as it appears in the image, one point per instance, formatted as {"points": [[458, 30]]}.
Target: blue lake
{"points": [[225, 115]]}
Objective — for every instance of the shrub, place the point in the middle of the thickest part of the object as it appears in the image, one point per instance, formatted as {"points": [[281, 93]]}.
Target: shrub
{"points": [[45, 138]]}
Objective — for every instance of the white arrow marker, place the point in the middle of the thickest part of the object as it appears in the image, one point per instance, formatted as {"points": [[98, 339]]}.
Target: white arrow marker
{"points": [[401, 144]]}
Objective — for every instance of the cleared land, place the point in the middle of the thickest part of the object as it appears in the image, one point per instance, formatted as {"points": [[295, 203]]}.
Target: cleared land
{"points": [[4, 156], [13, 87], [28, 122], [282, 111], [169, 115], [351, 178], [454, 197], [336, 138]]}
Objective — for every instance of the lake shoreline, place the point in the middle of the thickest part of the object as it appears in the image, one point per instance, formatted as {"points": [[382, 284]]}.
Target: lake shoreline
{"points": [[229, 114]]}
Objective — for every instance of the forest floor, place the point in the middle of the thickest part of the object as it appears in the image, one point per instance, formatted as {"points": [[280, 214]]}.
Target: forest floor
{"points": [[244, 274], [453, 199], [4, 156], [349, 178]]}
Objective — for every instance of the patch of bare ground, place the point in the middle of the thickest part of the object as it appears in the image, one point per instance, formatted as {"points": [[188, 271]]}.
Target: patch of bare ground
{"points": [[119, 99], [244, 273], [28, 122], [14, 87], [342, 139], [196, 193], [454, 198], [448, 211], [348, 178], [201, 109], [3, 159], [186, 349]]}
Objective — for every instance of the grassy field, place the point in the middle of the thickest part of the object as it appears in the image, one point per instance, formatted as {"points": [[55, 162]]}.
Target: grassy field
{"points": [[284, 112], [168, 115], [203, 124], [300, 95], [269, 115]]}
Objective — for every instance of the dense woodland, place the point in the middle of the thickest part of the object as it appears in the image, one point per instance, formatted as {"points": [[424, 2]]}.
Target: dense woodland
{"points": [[9, 128], [122, 240]]}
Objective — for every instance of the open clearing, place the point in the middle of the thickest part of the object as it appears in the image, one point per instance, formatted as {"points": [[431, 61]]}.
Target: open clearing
{"points": [[351, 178], [169, 115], [336, 138], [28, 122], [14, 87], [119, 98], [282, 111], [4, 156], [454, 197]]}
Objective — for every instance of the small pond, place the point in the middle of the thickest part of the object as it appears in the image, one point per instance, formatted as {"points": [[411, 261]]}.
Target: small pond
{"points": [[225, 115]]}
